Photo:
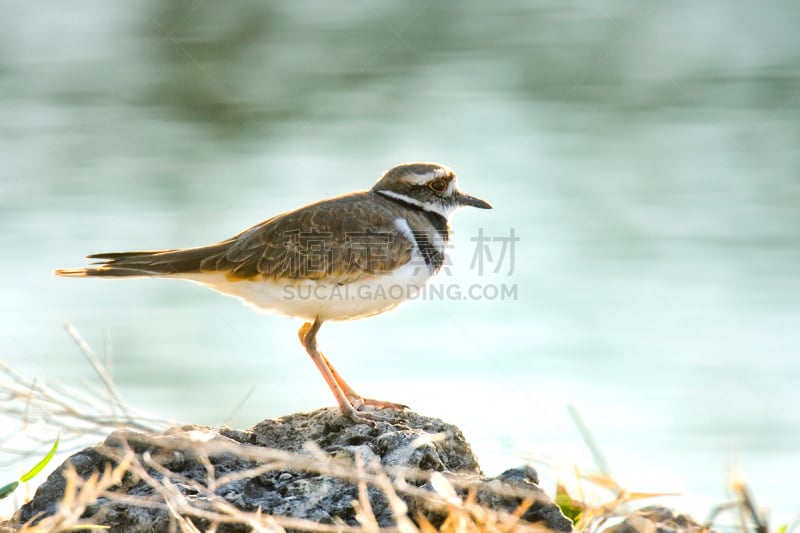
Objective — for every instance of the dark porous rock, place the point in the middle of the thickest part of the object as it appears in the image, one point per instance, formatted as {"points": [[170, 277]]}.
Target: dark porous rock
{"points": [[281, 459], [507, 492], [523, 482], [657, 519]]}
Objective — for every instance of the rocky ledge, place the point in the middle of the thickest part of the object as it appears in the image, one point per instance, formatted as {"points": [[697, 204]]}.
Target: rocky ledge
{"points": [[303, 469]]}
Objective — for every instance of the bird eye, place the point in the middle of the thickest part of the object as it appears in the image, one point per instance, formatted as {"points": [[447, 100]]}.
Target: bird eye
{"points": [[438, 185]]}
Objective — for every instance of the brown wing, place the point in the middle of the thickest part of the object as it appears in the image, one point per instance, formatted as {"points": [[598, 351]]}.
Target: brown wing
{"points": [[332, 240], [329, 240]]}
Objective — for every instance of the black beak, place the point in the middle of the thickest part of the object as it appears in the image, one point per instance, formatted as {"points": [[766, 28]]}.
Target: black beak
{"points": [[472, 201]]}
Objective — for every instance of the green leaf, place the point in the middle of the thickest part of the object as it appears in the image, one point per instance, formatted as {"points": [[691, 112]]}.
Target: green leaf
{"points": [[568, 507], [41, 464], [8, 489]]}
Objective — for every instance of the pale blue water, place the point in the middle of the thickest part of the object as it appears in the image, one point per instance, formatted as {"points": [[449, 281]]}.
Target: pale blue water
{"points": [[646, 157]]}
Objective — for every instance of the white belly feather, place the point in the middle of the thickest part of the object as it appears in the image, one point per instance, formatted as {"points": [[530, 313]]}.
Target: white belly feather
{"points": [[309, 299]]}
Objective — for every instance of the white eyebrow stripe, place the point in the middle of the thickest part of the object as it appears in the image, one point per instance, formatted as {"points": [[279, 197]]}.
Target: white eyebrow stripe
{"points": [[427, 206], [424, 178], [442, 172], [420, 179]]}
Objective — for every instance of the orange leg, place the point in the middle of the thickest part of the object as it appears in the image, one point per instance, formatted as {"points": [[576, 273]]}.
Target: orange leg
{"points": [[349, 401], [356, 398]]}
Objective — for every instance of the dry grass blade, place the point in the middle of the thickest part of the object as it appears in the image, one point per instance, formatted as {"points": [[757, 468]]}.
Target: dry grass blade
{"points": [[364, 513], [396, 504], [105, 377], [78, 494], [749, 507], [79, 414], [589, 440]]}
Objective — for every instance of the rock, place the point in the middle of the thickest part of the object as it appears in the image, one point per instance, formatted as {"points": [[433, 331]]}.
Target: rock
{"points": [[657, 519], [523, 481], [507, 491], [187, 459]]}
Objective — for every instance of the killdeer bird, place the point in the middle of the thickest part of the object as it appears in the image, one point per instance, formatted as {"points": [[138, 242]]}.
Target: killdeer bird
{"points": [[343, 258]]}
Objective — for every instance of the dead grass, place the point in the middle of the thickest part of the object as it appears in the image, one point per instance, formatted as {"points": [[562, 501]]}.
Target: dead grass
{"points": [[463, 514], [90, 414]]}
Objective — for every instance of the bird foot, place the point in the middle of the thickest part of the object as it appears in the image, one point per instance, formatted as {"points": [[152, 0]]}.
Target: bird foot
{"points": [[358, 402], [355, 410]]}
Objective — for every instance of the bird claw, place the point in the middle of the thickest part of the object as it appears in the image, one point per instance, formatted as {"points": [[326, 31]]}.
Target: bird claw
{"points": [[359, 402], [356, 412]]}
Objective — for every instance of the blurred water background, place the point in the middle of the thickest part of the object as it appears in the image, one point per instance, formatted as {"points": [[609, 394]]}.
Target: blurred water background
{"points": [[645, 155]]}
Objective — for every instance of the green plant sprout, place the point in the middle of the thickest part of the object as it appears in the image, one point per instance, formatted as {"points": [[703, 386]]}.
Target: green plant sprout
{"points": [[6, 490]]}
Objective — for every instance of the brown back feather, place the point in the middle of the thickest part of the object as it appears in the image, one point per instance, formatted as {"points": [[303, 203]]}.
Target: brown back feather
{"points": [[332, 239]]}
